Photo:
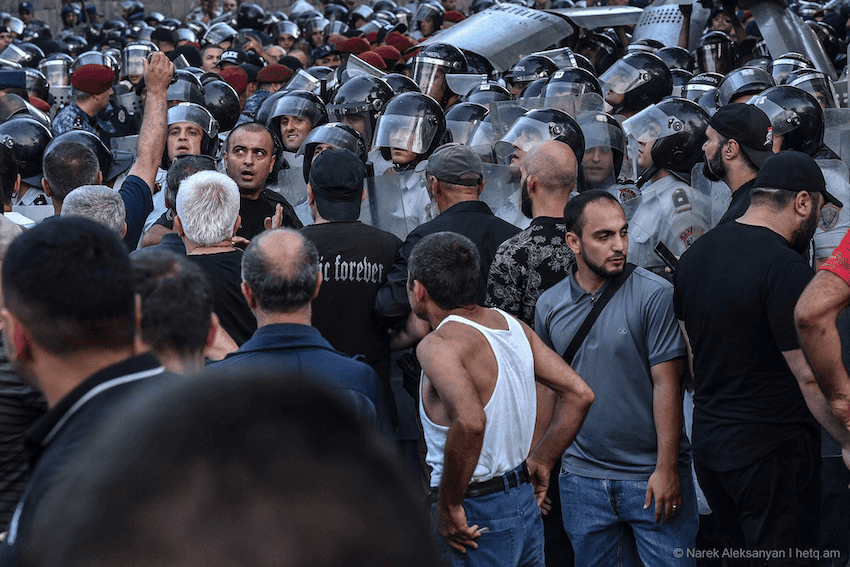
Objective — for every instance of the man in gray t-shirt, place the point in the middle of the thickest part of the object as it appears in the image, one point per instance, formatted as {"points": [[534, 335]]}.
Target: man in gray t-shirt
{"points": [[629, 463]]}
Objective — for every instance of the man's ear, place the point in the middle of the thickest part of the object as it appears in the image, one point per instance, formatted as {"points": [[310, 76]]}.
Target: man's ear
{"points": [[178, 226], [271, 163], [99, 179], [17, 337], [235, 226], [44, 185], [573, 242], [214, 325], [319, 279], [248, 295]]}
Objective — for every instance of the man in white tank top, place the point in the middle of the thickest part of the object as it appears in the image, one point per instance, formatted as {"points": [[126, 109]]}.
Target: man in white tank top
{"points": [[478, 408]]}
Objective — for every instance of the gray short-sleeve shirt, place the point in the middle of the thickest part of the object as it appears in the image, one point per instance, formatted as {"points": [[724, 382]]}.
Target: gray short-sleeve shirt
{"points": [[636, 331]]}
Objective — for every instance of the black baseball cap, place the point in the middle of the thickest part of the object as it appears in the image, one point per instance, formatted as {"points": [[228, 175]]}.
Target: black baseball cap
{"points": [[794, 171], [336, 178], [748, 126]]}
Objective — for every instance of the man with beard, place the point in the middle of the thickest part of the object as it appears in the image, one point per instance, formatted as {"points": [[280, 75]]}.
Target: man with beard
{"points": [[757, 404], [249, 159], [739, 140]]}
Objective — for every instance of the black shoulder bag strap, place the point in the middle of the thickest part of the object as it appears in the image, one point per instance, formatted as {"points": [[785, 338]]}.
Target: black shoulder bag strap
{"points": [[600, 304]]}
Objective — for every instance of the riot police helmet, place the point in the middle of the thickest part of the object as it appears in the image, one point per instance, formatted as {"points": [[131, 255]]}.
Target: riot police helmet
{"points": [[600, 49], [432, 64], [571, 82], [485, 93], [530, 68], [676, 129], [744, 81], [786, 64], [676, 57], [222, 101], [199, 116], [463, 118], [716, 53], [636, 81], [817, 84], [299, 104], [185, 87], [795, 116], [27, 138], [333, 135], [401, 83], [540, 125], [602, 134], [411, 121], [358, 103]]}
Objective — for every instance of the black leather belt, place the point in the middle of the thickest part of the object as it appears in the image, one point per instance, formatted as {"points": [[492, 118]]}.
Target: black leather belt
{"points": [[495, 484]]}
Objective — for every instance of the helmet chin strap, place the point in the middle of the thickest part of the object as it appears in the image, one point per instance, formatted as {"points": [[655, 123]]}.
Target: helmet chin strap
{"points": [[646, 175]]}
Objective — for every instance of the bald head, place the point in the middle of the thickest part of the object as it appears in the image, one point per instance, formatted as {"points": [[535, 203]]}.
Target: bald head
{"points": [[553, 166], [281, 268]]}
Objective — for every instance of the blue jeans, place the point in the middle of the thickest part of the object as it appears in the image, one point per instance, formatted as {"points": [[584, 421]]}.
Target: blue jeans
{"points": [[608, 526], [515, 536]]}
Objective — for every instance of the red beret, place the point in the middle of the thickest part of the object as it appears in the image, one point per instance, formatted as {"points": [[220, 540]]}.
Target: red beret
{"points": [[355, 45], [372, 37], [454, 16], [373, 59], [274, 74], [39, 104], [92, 78], [400, 42], [388, 53], [236, 77]]}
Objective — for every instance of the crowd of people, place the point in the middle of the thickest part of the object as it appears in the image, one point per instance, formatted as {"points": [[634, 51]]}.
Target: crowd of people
{"points": [[347, 283]]}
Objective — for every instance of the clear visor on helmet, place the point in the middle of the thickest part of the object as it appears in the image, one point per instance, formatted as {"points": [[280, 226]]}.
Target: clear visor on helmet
{"points": [[563, 57], [333, 136], [739, 81], [133, 59], [715, 58], [781, 68], [482, 141], [462, 83], [411, 133], [524, 133], [652, 123], [219, 33], [15, 25], [356, 67], [185, 91], [430, 74], [356, 115], [303, 81], [424, 10], [36, 82], [622, 77], [462, 130], [96, 58], [781, 120], [195, 114], [820, 87], [13, 54], [287, 28], [298, 107], [599, 132], [565, 88], [693, 91]]}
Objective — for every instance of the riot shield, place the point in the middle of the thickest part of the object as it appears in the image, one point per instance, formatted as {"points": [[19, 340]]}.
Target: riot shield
{"points": [[833, 222], [628, 196], [662, 20], [503, 194], [718, 194], [599, 17], [356, 67], [291, 184], [530, 30], [837, 132], [785, 32], [125, 143], [667, 211], [398, 202]]}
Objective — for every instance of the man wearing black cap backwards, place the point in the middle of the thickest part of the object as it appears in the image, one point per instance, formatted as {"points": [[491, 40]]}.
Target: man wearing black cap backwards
{"points": [[757, 405], [740, 138], [354, 258]]}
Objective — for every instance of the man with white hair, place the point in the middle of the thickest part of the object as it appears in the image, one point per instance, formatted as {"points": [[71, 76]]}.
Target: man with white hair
{"points": [[207, 218], [98, 203]]}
